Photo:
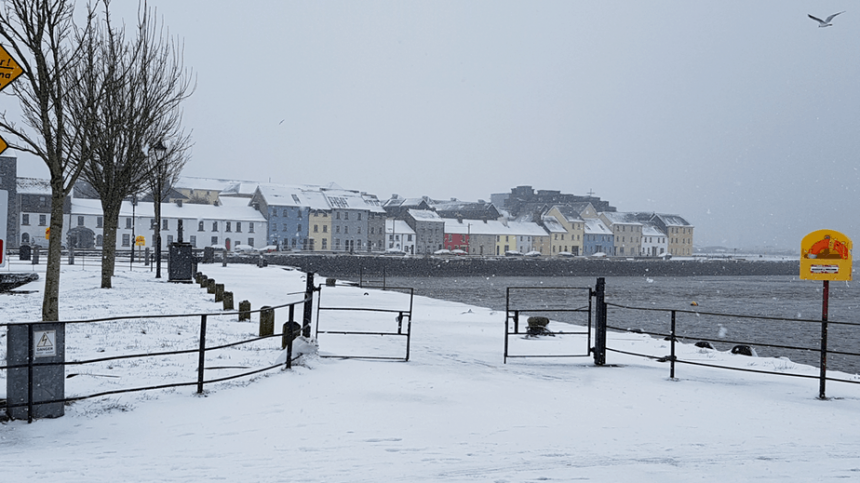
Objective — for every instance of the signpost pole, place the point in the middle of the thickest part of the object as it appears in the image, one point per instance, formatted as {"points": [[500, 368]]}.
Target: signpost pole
{"points": [[823, 366]]}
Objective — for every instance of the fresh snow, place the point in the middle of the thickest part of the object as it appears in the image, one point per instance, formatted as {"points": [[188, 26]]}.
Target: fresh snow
{"points": [[454, 412]]}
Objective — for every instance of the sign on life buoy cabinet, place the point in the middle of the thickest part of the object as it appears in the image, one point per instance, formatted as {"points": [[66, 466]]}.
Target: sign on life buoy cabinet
{"points": [[825, 255]]}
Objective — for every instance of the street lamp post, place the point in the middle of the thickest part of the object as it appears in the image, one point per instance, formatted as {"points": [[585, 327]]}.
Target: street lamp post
{"points": [[133, 244], [159, 149]]}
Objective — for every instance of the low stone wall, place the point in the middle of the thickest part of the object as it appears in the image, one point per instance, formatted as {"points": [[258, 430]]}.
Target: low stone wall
{"points": [[350, 266]]}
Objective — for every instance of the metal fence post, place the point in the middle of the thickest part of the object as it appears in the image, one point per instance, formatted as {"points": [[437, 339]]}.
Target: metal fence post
{"points": [[201, 358], [600, 328], [30, 356], [672, 353], [308, 305]]}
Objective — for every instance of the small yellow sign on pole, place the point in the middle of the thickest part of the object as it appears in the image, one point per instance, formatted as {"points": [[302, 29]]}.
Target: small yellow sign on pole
{"points": [[825, 255], [48, 233], [139, 241], [3, 145], [9, 68]]}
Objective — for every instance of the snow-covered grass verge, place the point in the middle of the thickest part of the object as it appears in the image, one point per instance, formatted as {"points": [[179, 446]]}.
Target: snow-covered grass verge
{"points": [[455, 412]]}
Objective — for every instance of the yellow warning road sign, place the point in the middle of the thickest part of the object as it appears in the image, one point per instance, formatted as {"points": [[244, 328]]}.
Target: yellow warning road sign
{"points": [[9, 68], [3, 145], [139, 241], [825, 255]]}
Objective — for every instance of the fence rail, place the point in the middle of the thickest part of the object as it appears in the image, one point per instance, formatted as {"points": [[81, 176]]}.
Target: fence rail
{"points": [[680, 328], [202, 349]]}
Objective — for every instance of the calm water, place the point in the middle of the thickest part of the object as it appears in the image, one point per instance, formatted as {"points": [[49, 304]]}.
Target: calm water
{"points": [[773, 296]]}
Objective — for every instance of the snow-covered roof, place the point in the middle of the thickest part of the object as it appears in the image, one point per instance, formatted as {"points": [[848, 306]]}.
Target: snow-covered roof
{"points": [[594, 226], [240, 188], [475, 227], [293, 195], [552, 224], [228, 209], [33, 186], [424, 215], [673, 220], [621, 218], [341, 199], [570, 213], [398, 227], [525, 229], [651, 230]]}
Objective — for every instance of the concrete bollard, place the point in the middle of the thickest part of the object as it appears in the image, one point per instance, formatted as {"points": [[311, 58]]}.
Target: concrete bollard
{"points": [[244, 310], [210, 285], [219, 292], [224, 258], [228, 300], [267, 321]]}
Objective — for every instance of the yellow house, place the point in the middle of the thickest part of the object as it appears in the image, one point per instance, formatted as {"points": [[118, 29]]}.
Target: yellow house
{"points": [[569, 242], [319, 230]]}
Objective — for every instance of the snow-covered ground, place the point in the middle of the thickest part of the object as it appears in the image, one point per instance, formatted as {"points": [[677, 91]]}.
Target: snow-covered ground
{"points": [[454, 412]]}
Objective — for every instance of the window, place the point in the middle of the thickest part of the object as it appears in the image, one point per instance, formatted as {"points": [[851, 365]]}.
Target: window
{"points": [[325, 228], [25, 238], [250, 228], [346, 216], [238, 227], [316, 228], [152, 224], [274, 227], [200, 226], [338, 215], [284, 227], [359, 230], [337, 243], [294, 243], [100, 222], [80, 221], [169, 239], [215, 226], [193, 240], [337, 229], [299, 229], [251, 242], [359, 217], [99, 240], [371, 230], [325, 244], [165, 224], [128, 223], [126, 239], [214, 240], [228, 228], [346, 229], [408, 237], [25, 219]]}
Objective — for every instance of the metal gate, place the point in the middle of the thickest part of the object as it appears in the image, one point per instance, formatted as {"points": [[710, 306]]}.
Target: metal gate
{"points": [[570, 307], [341, 323]]}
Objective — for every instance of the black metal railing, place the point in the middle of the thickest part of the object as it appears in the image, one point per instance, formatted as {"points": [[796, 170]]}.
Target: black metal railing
{"points": [[754, 333], [202, 349]]}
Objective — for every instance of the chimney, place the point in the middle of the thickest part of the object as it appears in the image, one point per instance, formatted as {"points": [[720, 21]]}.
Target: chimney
{"points": [[179, 203]]}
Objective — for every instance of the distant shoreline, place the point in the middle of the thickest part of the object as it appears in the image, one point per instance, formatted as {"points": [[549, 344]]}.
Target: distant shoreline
{"points": [[355, 265]]}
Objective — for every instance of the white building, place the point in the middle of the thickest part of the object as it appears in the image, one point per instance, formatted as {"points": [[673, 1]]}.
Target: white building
{"points": [[399, 236], [654, 241], [229, 223]]}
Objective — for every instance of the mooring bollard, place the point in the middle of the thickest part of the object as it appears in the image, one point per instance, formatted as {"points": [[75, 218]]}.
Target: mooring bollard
{"points": [[210, 285], [244, 310], [204, 281], [291, 331], [228, 301], [224, 258], [267, 321], [219, 292]]}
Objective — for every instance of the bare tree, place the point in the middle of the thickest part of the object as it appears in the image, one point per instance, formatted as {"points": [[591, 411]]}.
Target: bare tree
{"points": [[140, 87], [46, 42]]}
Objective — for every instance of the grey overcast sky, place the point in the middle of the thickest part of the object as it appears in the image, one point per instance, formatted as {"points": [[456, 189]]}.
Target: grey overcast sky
{"points": [[741, 116]]}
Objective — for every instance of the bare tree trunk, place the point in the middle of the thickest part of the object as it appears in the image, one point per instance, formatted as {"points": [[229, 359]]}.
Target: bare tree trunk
{"points": [[51, 299], [111, 224]]}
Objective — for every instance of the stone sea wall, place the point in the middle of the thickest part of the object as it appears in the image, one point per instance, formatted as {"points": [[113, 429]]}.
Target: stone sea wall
{"points": [[352, 266]]}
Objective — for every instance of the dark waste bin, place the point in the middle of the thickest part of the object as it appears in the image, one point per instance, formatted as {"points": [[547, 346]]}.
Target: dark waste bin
{"points": [[209, 255], [24, 252], [180, 264]]}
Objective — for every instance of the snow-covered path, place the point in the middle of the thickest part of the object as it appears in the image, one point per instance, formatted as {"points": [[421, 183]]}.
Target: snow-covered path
{"points": [[453, 413]]}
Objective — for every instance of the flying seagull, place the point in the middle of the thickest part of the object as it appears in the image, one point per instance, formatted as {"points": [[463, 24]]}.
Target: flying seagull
{"points": [[825, 23]]}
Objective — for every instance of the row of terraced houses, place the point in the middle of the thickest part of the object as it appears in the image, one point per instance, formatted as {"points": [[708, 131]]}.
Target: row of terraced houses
{"points": [[240, 214]]}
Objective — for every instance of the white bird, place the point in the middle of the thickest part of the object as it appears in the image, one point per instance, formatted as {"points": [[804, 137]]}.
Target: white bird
{"points": [[825, 23]]}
